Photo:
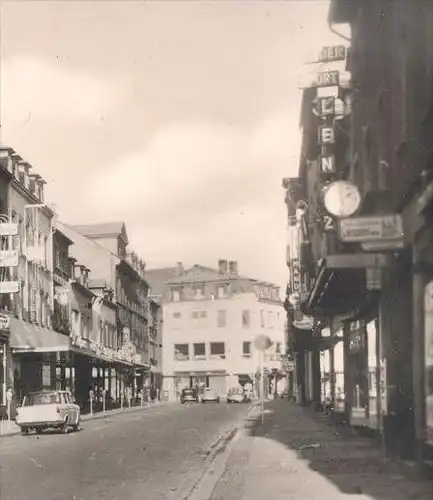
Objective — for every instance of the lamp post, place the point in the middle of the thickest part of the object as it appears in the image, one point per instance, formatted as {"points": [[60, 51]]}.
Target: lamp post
{"points": [[262, 343]]}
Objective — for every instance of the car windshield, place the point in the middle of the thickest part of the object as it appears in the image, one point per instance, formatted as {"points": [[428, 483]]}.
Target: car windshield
{"points": [[41, 399], [188, 391], [210, 391], [235, 390]]}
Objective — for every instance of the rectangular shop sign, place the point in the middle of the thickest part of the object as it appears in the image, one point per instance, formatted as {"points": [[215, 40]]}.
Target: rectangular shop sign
{"points": [[367, 229], [333, 53]]}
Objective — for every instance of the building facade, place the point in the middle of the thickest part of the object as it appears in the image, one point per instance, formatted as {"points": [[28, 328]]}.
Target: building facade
{"points": [[370, 287], [210, 320], [103, 248]]}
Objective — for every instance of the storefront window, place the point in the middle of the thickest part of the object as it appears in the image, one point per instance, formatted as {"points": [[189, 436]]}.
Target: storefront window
{"points": [[339, 376], [428, 305], [372, 372]]}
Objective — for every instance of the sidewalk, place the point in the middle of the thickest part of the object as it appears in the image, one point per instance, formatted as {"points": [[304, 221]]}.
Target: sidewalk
{"points": [[298, 455], [10, 428]]}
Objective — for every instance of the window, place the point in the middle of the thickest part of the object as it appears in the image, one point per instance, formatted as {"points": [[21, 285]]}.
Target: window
{"points": [[200, 350], [262, 318], [203, 314], [246, 349], [270, 320], [246, 319], [175, 295], [221, 319], [217, 350], [194, 315], [181, 352], [177, 315], [221, 291], [199, 292]]}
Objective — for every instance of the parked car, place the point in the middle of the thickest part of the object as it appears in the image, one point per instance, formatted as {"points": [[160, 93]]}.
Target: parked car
{"points": [[189, 394], [48, 409], [237, 395], [210, 395]]}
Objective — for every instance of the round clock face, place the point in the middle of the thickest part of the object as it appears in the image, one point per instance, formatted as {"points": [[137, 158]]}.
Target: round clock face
{"points": [[342, 199]]}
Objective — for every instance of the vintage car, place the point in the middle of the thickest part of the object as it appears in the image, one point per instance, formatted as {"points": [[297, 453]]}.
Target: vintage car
{"points": [[210, 395], [237, 395], [189, 394], [48, 409]]}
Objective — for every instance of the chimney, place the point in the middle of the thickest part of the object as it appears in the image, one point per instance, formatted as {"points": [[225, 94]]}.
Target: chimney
{"points": [[222, 266], [179, 268], [233, 267]]}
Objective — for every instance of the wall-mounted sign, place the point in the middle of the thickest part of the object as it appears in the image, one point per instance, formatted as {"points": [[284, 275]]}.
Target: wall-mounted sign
{"points": [[335, 53], [326, 135], [328, 79], [9, 286], [8, 229], [325, 106], [5, 322], [363, 229], [327, 164], [8, 258], [296, 279], [328, 224], [342, 198]]}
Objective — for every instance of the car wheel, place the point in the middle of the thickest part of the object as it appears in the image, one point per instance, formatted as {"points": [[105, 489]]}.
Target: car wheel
{"points": [[76, 427], [65, 426], [24, 431]]}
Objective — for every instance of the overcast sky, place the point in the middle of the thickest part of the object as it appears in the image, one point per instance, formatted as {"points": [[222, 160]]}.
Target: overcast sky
{"points": [[180, 118]]}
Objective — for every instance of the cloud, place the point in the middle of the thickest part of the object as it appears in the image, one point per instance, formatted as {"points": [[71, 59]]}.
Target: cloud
{"points": [[190, 172], [34, 89]]}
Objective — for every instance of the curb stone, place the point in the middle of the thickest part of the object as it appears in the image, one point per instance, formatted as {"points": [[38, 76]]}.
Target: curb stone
{"points": [[96, 416], [218, 447]]}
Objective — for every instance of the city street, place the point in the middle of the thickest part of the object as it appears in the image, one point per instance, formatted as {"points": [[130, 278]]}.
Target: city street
{"points": [[157, 454]]}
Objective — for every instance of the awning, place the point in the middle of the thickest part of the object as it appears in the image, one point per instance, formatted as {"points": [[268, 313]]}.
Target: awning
{"points": [[304, 340], [27, 337], [340, 286]]}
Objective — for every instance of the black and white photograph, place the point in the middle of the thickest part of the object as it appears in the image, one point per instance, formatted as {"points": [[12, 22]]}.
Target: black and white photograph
{"points": [[216, 249]]}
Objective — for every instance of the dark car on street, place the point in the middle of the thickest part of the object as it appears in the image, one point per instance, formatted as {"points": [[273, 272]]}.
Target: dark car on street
{"points": [[189, 394]]}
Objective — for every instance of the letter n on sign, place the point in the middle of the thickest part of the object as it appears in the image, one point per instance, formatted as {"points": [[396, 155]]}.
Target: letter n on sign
{"points": [[327, 164]]}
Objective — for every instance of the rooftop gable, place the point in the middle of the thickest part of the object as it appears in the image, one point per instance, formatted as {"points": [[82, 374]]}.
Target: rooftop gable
{"points": [[103, 230]]}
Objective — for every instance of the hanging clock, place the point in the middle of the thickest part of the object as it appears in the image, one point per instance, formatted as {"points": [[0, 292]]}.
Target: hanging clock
{"points": [[342, 198]]}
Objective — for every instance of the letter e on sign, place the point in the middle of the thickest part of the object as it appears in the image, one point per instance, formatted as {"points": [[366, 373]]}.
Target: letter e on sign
{"points": [[326, 135]]}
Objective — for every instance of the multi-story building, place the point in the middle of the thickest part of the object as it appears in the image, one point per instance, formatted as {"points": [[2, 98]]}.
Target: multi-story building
{"points": [[103, 248], [210, 320], [26, 277], [372, 282]]}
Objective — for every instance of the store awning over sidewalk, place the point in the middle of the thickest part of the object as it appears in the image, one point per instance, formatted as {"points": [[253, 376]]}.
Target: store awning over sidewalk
{"points": [[340, 285], [28, 337]]}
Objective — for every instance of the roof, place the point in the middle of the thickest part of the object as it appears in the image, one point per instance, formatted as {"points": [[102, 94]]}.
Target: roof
{"points": [[156, 278], [103, 229], [202, 274], [58, 232]]}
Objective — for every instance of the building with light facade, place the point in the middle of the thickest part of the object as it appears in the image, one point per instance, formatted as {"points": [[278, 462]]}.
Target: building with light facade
{"points": [[210, 320]]}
